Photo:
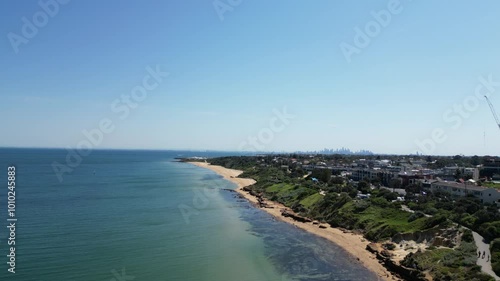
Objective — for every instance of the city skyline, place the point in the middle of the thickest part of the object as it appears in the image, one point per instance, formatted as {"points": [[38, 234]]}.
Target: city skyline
{"points": [[203, 75]]}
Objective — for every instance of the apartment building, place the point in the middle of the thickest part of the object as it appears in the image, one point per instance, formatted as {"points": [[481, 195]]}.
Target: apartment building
{"points": [[486, 195]]}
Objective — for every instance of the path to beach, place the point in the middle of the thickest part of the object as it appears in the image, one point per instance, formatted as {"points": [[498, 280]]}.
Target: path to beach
{"points": [[354, 244], [484, 262]]}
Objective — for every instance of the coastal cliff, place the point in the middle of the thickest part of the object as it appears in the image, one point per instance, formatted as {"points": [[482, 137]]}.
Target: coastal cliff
{"points": [[423, 247]]}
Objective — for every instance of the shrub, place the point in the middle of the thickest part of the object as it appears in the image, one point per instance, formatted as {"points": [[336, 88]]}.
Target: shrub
{"points": [[360, 206], [430, 210], [396, 205], [436, 220], [364, 186], [490, 230], [496, 267], [495, 245], [380, 201], [337, 180], [303, 192], [415, 216], [495, 255], [353, 193], [342, 219], [468, 220], [467, 236], [413, 206], [388, 195], [384, 232]]}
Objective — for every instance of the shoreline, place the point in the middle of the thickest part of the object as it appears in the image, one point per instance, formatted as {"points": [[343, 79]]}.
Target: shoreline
{"points": [[354, 244]]}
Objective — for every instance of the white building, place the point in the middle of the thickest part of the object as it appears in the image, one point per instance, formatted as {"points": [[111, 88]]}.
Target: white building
{"points": [[485, 194]]}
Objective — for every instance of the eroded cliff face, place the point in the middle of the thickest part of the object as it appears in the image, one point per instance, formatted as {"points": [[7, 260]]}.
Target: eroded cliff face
{"points": [[449, 237], [404, 244], [401, 271]]}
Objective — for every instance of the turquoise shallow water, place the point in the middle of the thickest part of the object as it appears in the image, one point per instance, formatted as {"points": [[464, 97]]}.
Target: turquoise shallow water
{"points": [[137, 215]]}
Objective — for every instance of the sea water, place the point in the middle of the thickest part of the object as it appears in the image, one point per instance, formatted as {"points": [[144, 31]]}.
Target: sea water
{"points": [[139, 215]]}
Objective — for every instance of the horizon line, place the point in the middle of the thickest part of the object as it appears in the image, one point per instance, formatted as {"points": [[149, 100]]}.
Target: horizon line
{"points": [[245, 152]]}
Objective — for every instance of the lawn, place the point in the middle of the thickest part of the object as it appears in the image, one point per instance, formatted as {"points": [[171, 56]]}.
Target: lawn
{"points": [[311, 200], [491, 184], [279, 188], [377, 217]]}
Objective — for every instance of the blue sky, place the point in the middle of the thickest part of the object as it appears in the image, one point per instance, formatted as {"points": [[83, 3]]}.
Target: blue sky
{"points": [[228, 77]]}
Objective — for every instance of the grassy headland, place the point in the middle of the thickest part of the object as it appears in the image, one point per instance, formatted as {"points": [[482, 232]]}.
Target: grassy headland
{"points": [[449, 252]]}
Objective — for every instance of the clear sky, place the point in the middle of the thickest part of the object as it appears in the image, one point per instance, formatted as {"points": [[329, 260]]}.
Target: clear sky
{"points": [[233, 65]]}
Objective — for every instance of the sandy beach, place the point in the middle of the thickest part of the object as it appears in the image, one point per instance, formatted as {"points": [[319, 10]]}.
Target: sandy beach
{"points": [[354, 244]]}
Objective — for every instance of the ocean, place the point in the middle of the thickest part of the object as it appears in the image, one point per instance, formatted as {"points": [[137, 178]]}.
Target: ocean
{"points": [[139, 215]]}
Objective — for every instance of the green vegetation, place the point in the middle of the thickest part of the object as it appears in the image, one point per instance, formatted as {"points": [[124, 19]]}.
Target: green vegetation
{"points": [[288, 194], [379, 217], [448, 264], [279, 188], [466, 211], [491, 184], [495, 255], [467, 236], [308, 202]]}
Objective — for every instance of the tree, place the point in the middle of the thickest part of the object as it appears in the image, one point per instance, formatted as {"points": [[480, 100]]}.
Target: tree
{"points": [[458, 174], [364, 186], [413, 188], [474, 161], [323, 175], [388, 195], [337, 180], [395, 183], [376, 182]]}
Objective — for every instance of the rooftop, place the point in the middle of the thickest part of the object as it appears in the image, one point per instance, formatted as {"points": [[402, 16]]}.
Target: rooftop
{"points": [[466, 185]]}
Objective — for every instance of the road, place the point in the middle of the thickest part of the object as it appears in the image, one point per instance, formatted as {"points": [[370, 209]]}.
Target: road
{"points": [[484, 263], [481, 246], [406, 209]]}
